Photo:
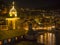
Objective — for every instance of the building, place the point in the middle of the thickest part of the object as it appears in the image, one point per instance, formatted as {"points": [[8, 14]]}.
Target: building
{"points": [[12, 20]]}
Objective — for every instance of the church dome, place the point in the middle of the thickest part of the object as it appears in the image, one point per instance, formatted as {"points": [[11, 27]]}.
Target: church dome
{"points": [[13, 11]]}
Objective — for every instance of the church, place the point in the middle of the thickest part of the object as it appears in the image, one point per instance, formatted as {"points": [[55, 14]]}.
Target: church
{"points": [[12, 20]]}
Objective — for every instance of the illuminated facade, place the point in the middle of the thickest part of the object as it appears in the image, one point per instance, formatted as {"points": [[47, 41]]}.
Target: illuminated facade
{"points": [[12, 20]]}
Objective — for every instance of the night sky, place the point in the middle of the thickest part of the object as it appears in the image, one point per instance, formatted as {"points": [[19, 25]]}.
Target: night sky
{"points": [[36, 3]]}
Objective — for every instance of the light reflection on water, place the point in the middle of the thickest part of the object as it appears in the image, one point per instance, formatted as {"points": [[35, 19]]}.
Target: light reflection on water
{"points": [[47, 39]]}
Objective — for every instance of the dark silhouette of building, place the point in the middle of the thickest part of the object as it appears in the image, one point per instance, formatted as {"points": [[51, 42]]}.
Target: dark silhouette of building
{"points": [[3, 8]]}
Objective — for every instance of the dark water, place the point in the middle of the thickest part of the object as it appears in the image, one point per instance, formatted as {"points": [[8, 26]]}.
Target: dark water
{"points": [[47, 39]]}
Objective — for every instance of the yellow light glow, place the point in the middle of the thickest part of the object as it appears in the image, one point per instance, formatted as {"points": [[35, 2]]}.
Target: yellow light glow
{"points": [[13, 11], [9, 40], [33, 28], [0, 42], [12, 18], [44, 28], [26, 28], [53, 26], [16, 38]]}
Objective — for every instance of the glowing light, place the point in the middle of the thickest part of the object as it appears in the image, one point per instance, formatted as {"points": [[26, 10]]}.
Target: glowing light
{"points": [[26, 28], [9, 40], [12, 19], [45, 28], [53, 26], [0, 42], [39, 23], [33, 28], [13, 11], [16, 38]]}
